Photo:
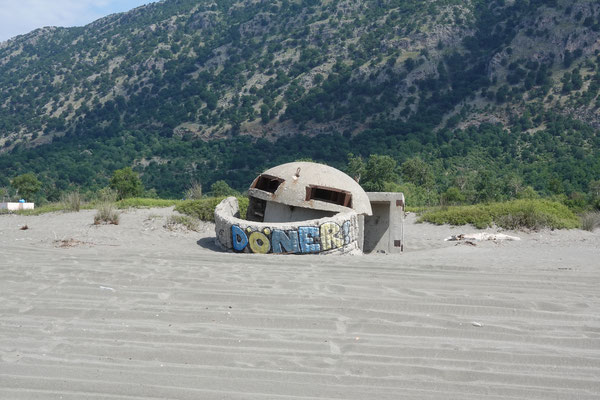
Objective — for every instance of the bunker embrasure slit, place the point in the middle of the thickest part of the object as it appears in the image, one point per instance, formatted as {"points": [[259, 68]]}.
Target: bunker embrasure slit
{"points": [[329, 195], [268, 183]]}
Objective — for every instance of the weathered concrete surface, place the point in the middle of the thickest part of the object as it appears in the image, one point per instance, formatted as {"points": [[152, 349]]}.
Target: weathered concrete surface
{"points": [[296, 177], [338, 234], [384, 230]]}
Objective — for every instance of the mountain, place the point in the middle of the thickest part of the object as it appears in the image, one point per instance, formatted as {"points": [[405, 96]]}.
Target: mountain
{"points": [[203, 90]]}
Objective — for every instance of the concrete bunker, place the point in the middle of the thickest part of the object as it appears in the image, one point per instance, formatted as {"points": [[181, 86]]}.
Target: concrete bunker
{"points": [[305, 207]]}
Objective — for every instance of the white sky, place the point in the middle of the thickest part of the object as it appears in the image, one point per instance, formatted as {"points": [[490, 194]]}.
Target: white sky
{"points": [[22, 16]]}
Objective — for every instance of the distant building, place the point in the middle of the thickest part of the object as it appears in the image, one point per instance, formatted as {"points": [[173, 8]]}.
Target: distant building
{"points": [[17, 206]]}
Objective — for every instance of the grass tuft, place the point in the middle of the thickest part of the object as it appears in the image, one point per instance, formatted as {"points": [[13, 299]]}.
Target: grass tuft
{"points": [[107, 214], [194, 192], [175, 221], [517, 214], [71, 201], [590, 220]]}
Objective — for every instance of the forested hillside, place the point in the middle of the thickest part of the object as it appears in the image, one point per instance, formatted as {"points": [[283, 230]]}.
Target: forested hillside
{"points": [[493, 96]]}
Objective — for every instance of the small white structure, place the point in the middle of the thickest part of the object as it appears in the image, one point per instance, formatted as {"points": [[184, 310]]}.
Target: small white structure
{"points": [[17, 206]]}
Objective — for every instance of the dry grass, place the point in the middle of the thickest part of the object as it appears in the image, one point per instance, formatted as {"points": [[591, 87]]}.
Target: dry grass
{"points": [[175, 221], [71, 201], [194, 192], [68, 243], [107, 214], [590, 220]]}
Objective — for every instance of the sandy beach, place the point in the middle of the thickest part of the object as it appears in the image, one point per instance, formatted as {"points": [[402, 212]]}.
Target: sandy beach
{"points": [[138, 311]]}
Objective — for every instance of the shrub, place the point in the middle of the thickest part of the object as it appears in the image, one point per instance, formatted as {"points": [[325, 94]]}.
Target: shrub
{"points": [[181, 220], [127, 183], [516, 214], [204, 209], [107, 214], [71, 201], [452, 196], [222, 189], [590, 220]]}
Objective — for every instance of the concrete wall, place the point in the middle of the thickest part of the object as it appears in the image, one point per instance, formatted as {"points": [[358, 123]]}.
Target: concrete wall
{"points": [[338, 234], [277, 212], [17, 206], [384, 230]]}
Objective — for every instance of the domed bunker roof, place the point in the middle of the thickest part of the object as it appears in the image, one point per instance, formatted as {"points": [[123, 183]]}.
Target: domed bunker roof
{"points": [[311, 185]]}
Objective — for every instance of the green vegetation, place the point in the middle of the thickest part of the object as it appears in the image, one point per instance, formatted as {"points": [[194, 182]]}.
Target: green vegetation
{"points": [[222, 189], [71, 201], [408, 88], [26, 185], [516, 214], [138, 202], [204, 209], [126, 183]]}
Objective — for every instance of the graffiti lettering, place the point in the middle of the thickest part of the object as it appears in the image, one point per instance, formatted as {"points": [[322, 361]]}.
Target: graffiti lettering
{"points": [[259, 243], [240, 240], [331, 236], [307, 239], [346, 232], [285, 243]]}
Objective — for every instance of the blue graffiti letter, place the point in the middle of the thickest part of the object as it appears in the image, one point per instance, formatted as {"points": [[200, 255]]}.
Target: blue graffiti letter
{"points": [[240, 240], [346, 232], [309, 239], [283, 242]]}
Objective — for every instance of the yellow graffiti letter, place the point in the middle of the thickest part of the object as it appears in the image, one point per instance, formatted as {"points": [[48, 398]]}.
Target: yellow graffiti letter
{"points": [[331, 237], [259, 243]]}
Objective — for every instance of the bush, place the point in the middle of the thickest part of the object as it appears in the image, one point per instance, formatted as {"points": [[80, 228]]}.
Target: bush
{"points": [[452, 196], [516, 214], [204, 209], [71, 201], [590, 220], [127, 183], [222, 189], [107, 214]]}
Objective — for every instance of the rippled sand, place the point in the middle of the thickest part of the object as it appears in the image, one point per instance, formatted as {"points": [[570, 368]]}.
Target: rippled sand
{"points": [[136, 311]]}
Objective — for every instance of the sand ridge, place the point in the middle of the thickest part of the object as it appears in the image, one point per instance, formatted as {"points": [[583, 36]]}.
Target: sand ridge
{"points": [[137, 311]]}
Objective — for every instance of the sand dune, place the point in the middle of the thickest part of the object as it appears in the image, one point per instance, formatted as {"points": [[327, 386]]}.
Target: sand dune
{"points": [[136, 311]]}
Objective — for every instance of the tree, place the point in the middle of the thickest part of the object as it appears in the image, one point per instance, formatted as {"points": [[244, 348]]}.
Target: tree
{"points": [[378, 171], [221, 188], [418, 172], [127, 183], [356, 167], [26, 185]]}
